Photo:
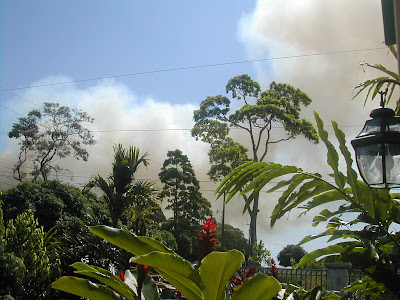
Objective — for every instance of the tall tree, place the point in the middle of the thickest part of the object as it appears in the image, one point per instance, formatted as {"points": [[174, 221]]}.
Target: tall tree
{"points": [[182, 191], [281, 103], [50, 132], [120, 189]]}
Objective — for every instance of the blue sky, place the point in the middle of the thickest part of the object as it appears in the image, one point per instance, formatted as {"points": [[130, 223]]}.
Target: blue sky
{"points": [[100, 38], [47, 42]]}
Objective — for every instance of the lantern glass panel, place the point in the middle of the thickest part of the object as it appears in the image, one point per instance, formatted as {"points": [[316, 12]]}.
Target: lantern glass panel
{"points": [[369, 163], [370, 128], [392, 158]]}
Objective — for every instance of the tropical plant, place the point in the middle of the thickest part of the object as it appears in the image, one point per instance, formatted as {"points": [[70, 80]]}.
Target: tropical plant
{"points": [[28, 262], [373, 86], [50, 132], [120, 189], [281, 103], [207, 239], [260, 254], [207, 283], [363, 215]]}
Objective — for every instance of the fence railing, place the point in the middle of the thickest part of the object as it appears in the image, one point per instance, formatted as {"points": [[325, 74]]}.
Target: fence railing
{"points": [[306, 278]]}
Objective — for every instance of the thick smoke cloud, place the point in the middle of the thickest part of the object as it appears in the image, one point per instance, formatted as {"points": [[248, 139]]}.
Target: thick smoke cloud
{"points": [[289, 28]]}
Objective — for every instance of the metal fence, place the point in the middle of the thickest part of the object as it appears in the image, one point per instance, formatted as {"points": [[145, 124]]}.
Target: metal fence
{"points": [[306, 278], [355, 275]]}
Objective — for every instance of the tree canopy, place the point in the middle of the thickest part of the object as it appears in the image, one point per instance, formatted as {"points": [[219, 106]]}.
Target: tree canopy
{"points": [[50, 201], [182, 189], [280, 104], [290, 253], [49, 132]]}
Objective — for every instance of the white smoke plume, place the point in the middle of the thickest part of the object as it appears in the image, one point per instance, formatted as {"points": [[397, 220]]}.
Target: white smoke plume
{"points": [[294, 31]]}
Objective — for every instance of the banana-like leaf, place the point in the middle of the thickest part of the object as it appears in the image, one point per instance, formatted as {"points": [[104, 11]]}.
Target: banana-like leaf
{"points": [[258, 287], [176, 270], [332, 155], [137, 245], [332, 250], [105, 277], [216, 269], [84, 288]]}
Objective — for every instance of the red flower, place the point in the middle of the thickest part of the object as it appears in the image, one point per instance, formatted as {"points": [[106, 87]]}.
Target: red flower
{"points": [[273, 271], [207, 238], [121, 276], [142, 271]]}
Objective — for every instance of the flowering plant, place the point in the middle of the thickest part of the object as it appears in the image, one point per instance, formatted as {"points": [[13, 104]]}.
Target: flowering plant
{"points": [[207, 238]]}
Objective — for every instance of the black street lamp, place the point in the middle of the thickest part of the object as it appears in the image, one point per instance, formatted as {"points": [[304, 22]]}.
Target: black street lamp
{"points": [[377, 149]]}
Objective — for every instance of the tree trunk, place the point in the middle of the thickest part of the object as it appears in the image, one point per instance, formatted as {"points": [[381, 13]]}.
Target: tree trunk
{"points": [[253, 225]]}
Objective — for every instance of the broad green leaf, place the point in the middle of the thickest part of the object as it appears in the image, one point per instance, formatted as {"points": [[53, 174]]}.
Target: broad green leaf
{"points": [[137, 245], [333, 157], [105, 277], [176, 270], [84, 288], [258, 287], [335, 249], [309, 238], [216, 269]]}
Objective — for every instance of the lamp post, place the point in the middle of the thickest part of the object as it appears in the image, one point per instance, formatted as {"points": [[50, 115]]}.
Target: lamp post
{"points": [[377, 149]]}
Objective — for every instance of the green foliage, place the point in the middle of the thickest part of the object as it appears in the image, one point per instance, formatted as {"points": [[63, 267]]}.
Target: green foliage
{"points": [[120, 190], [281, 103], [27, 258], [182, 191], [289, 254], [373, 86], [2, 229], [260, 254], [233, 239], [50, 201], [292, 291], [50, 132], [373, 249], [207, 283]]}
